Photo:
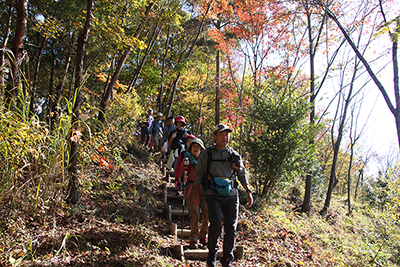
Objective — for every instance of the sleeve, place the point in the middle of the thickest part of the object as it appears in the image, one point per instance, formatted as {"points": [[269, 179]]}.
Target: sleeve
{"points": [[201, 167], [178, 167], [165, 133], [169, 136], [241, 174]]}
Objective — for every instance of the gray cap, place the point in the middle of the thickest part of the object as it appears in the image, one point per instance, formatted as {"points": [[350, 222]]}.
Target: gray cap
{"points": [[197, 141], [222, 127]]}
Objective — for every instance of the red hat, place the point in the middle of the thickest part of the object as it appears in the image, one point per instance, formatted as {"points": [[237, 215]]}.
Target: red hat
{"points": [[181, 119], [190, 136]]}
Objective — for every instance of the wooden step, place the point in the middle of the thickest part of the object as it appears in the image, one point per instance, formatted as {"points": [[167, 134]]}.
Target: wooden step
{"points": [[173, 229], [175, 197], [168, 186], [168, 213], [170, 196], [201, 254]]}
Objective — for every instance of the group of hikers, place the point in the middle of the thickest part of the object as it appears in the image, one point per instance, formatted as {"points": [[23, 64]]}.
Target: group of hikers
{"points": [[208, 177]]}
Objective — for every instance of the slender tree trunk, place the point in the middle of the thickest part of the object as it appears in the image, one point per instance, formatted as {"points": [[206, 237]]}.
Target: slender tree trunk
{"points": [[314, 90], [5, 40], [305, 208], [59, 93], [186, 57], [51, 85], [11, 90], [336, 147], [35, 76], [395, 110], [107, 96], [360, 175], [349, 177], [161, 90], [73, 187], [217, 87], [146, 55]]}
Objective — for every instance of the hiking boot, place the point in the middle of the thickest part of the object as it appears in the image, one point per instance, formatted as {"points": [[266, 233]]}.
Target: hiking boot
{"points": [[193, 245], [226, 262], [203, 241]]}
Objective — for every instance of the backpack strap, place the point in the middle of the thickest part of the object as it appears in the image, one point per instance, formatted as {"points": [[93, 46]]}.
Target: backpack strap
{"points": [[209, 160], [205, 182], [208, 183]]}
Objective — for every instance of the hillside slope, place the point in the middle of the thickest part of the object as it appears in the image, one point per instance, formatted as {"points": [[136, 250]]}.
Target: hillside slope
{"points": [[116, 224]]}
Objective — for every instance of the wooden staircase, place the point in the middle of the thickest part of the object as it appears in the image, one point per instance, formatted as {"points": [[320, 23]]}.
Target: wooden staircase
{"points": [[170, 200]]}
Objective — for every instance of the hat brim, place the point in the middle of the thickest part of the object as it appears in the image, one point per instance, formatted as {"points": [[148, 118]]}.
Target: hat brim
{"points": [[225, 129]]}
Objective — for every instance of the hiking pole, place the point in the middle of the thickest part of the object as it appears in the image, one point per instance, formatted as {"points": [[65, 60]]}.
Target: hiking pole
{"points": [[183, 203]]}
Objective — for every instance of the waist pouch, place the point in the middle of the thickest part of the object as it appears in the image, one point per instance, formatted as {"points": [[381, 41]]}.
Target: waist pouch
{"points": [[223, 185]]}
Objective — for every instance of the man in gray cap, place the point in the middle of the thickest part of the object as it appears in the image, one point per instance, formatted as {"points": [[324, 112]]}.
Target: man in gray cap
{"points": [[217, 169]]}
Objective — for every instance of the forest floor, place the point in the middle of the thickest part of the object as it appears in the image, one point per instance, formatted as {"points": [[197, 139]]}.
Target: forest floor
{"points": [[116, 224]]}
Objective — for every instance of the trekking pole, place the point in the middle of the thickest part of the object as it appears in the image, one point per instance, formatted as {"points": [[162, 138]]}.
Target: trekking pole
{"points": [[183, 204]]}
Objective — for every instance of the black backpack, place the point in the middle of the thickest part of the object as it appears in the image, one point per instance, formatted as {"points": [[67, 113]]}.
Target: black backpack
{"points": [[212, 183]]}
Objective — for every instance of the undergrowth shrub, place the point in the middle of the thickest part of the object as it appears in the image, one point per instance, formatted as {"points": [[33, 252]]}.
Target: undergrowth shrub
{"points": [[23, 150]]}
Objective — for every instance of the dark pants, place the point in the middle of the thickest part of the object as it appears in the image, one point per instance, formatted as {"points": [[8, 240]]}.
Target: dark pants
{"points": [[229, 208], [145, 133]]}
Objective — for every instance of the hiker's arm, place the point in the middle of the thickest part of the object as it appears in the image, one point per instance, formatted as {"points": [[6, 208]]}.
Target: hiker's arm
{"points": [[199, 176], [171, 138], [241, 173], [201, 168]]}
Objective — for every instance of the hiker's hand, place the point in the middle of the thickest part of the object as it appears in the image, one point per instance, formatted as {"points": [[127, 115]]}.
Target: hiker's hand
{"points": [[173, 135], [249, 199]]}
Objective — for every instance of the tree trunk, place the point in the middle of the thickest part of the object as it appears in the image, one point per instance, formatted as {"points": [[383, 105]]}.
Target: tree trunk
{"points": [[51, 85], [59, 93], [305, 208], [11, 90], [217, 86], [107, 95], [146, 55], [185, 58], [395, 111], [5, 40], [73, 187], [35, 76], [349, 177], [161, 90], [360, 176]]}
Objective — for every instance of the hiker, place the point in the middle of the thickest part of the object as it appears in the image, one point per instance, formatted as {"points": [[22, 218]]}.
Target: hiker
{"points": [[145, 126], [187, 173], [167, 130], [178, 184], [177, 140], [216, 170], [157, 133]]}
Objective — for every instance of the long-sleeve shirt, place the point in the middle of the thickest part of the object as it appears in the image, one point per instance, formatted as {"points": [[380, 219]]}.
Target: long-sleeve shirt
{"points": [[167, 129], [157, 127], [219, 169]]}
